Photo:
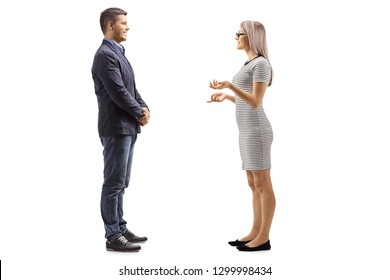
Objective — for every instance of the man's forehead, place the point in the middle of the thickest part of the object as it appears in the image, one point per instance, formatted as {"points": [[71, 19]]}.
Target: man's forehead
{"points": [[121, 17]]}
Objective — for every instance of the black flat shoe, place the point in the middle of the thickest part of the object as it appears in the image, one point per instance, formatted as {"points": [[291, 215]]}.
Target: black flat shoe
{"points": [[121, 244], [238, 243], [263, 247], [131, 237]]}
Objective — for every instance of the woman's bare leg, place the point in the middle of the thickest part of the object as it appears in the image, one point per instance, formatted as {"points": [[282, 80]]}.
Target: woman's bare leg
{"points": [[263, 188], [257, 216]]}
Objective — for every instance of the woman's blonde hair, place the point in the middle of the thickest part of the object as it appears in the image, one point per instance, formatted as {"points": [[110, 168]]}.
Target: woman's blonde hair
{"points": [[257, 39]]}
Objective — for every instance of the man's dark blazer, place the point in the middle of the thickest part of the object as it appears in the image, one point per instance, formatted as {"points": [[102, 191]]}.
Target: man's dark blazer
{"points": [[120, 104]]}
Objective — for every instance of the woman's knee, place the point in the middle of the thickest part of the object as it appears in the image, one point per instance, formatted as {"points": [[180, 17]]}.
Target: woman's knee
{"points": [[259, 187], [261, 182], [251, 182], [252, 186]]}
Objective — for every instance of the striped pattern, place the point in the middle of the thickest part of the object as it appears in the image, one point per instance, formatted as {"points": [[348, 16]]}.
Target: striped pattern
{"points": [[255, 131]]}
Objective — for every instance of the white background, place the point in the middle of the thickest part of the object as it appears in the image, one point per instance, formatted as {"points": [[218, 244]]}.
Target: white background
{"points": [[328, 107]]}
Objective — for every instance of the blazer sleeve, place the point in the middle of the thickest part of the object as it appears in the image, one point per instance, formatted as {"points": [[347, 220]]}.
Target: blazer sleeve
{"points": [[140, 100], [109, 73]]}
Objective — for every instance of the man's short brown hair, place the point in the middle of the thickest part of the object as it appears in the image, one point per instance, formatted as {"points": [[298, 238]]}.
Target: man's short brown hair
{"points": [[108, 15]]}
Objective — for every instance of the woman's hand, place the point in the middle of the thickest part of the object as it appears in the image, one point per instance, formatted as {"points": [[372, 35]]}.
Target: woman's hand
{"points": [[219, 85], [217, 97]]}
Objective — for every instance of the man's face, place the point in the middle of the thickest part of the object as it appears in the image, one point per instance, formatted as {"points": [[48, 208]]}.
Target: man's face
{"points": [[120, 28]]}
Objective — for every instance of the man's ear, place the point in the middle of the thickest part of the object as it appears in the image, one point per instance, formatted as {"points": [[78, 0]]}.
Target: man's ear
{"points": [[110, 25]]}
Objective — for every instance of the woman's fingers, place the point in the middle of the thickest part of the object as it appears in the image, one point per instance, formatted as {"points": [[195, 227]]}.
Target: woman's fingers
{"points": [[213, 98], [214, 84]]}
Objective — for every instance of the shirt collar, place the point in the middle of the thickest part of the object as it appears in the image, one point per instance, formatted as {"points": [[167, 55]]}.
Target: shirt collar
{"points": [[118, 46]]}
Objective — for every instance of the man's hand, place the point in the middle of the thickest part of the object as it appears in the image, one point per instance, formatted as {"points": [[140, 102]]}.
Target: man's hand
{"points": [[145, 119]]}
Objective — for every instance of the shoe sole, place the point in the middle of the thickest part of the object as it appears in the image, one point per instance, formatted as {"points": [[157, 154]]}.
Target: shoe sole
{"points": [[137, 241], [129, 251]]}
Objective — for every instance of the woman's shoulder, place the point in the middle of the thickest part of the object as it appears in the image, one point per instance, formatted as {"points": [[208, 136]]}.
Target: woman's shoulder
{"points": [[260, 64], [262, 61]]}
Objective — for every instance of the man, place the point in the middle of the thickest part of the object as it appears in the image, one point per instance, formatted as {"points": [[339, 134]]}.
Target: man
{"points": [[121, 113]]}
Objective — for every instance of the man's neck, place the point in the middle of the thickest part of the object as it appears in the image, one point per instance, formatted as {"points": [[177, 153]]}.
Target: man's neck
{"points": [[111, 39]]}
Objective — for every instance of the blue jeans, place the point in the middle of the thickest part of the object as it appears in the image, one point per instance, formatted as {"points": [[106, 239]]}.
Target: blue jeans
{"points": [[118, 156]]}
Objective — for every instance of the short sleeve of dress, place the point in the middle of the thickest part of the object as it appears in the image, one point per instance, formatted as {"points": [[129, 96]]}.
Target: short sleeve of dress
{"points": [[261, 71]]}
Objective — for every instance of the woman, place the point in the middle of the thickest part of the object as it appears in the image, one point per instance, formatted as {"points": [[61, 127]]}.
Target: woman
{"points": [[255, 131]]}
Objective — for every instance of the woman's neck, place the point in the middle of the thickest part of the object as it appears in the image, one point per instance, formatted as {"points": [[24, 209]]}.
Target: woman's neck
{"points": [[251, 55]]}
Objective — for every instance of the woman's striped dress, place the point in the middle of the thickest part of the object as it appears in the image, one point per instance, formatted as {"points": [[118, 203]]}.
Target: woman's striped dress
{"points": [[255, 131]]}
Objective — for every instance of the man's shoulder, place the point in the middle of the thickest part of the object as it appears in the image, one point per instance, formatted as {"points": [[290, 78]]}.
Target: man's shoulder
{"points": [[104, 56], [104, 48], [104, 52]]}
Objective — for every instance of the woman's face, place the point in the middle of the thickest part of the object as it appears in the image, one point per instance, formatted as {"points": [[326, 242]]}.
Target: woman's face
{"points": [[242, 40]]}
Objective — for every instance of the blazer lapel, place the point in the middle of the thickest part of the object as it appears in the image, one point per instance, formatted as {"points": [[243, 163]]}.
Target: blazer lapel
{"points": [[120, 54]]}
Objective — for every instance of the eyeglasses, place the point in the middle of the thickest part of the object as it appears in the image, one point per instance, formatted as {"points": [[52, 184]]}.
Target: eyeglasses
{"points": [[238, 34]]}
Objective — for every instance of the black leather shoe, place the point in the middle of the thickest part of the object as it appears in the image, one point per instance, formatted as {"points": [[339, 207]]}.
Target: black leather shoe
{"points": [[263, 247], [238, 242], [131, 237], [121, 244]]}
